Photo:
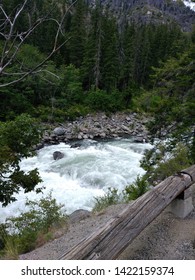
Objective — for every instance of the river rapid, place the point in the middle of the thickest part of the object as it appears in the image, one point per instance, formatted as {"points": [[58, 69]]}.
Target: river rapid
{"points": [[84, 173]]}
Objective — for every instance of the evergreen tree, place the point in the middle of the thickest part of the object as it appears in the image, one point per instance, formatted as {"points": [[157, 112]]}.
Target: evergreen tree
{"points": [[77, 33], [174, 113], [126, 57], [93, 50], [110, 56]]}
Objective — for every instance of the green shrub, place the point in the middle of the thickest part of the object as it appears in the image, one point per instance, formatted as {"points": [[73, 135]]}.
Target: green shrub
{"points": [[111, 197], [76, 111], [100, 100], [39, 220], [48, 114], [131, 192], [162, 162], [135, 190]]}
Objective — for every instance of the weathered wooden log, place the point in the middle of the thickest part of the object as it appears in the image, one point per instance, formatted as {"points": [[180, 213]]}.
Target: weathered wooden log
{"points": [[112, 239]]}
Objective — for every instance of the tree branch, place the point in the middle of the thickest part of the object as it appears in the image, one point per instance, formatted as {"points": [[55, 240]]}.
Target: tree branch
{"points": [[14, 48]]}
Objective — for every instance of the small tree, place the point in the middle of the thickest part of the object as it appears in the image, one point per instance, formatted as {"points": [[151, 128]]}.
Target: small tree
{"points": [[16, 140]]}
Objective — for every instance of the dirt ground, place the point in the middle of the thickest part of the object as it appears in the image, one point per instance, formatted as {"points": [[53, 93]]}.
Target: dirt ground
{"points": [[166, 238]]}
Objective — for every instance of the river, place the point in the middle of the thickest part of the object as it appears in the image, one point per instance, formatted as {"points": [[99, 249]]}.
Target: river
{"points": [[84, 173]]}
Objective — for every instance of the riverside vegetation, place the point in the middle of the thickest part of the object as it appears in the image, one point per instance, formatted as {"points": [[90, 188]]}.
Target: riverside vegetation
{"points": [[146, 67]]}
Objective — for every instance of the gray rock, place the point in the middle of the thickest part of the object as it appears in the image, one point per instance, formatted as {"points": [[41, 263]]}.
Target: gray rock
{"points": [[59, 131], [40, 146], [79, 215], [140, 139], [103, 135], [76, 145], [125, 128], [58, 155]]}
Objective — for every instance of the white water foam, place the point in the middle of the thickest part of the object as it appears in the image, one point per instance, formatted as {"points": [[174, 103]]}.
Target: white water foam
{"points": [[83, 173]]}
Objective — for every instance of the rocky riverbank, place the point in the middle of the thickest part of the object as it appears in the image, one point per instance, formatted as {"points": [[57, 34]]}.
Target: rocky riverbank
{"points": [[98, 126]]}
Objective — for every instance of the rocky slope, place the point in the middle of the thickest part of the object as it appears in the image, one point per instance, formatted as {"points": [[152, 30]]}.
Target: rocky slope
{"points": [[99, 126], [150, 11]]}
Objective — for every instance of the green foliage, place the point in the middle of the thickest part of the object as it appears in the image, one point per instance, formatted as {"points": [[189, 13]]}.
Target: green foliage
{"points": [[100, 100], [174, 91], [131, 192], [16, 141], [23, 231], [97, 54], [164, 161], [71, 85], [135, 190], [77, 33], [111, 197], [76, 111], [45, 114], [8, 248]]}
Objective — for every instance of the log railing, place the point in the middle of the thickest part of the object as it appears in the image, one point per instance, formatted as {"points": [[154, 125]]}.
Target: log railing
{"points": [[112, 239]]}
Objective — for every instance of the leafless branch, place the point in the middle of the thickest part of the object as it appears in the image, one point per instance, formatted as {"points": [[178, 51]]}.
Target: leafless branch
{"points": [[13, 42]]}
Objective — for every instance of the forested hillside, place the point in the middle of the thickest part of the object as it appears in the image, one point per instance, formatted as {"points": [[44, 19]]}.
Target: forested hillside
{"points": [[100, 59], [63, 59]]}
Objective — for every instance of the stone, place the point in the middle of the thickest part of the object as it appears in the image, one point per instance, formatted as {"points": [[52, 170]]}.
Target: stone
{"points": [[80, 137], [79, 215], [59, 131], [140, 139], [103, 135], [40, 146], [76, 145], [125, 128], [99, 126], [58, 155]]}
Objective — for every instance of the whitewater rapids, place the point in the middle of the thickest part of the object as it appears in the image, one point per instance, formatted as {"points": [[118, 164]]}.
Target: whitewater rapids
{"points": [[84, 173]]}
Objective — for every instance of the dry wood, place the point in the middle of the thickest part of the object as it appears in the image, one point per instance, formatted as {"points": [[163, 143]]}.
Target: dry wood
{"points": [[112, 239]]}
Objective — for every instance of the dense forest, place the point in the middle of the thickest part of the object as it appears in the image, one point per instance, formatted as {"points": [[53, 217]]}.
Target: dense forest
{"points": [[64, 59]]}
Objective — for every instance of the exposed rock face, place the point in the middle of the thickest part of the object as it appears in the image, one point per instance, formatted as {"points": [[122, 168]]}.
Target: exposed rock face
{"points": [[149, 11], [100, 126], [58, 155]]}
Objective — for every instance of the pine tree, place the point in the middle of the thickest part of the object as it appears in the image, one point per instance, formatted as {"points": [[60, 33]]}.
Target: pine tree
{"points": [[126, 57], [93, 50], [77, 33], [110, 55]]}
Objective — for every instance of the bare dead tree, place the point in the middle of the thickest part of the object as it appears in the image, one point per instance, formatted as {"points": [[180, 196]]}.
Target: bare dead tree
{"points": [[13, 39]]}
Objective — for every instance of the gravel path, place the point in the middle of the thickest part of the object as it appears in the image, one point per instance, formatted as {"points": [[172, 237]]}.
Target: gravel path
{"points": [[166, 238]]}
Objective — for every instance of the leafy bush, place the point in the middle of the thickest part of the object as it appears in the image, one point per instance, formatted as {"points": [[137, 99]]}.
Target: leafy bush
{"points": [[110, 198], [76, 111], [25, 230], [131, 192], [100, 100], [161, 162], [135, 190]]}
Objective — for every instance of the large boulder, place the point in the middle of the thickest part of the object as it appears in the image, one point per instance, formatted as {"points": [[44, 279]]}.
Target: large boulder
{"points": [[140, 139], [59, 131], [58, 155], [79, 215]]}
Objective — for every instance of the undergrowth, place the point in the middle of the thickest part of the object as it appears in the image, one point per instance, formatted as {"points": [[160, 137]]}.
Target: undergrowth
{"points": [[31, 229]]}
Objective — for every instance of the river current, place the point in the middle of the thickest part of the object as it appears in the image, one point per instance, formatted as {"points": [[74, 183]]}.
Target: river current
{"points": [[85, 172]]}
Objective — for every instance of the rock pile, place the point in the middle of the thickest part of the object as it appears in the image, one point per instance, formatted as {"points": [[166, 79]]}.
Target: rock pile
{"points": [[99, 126]]}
